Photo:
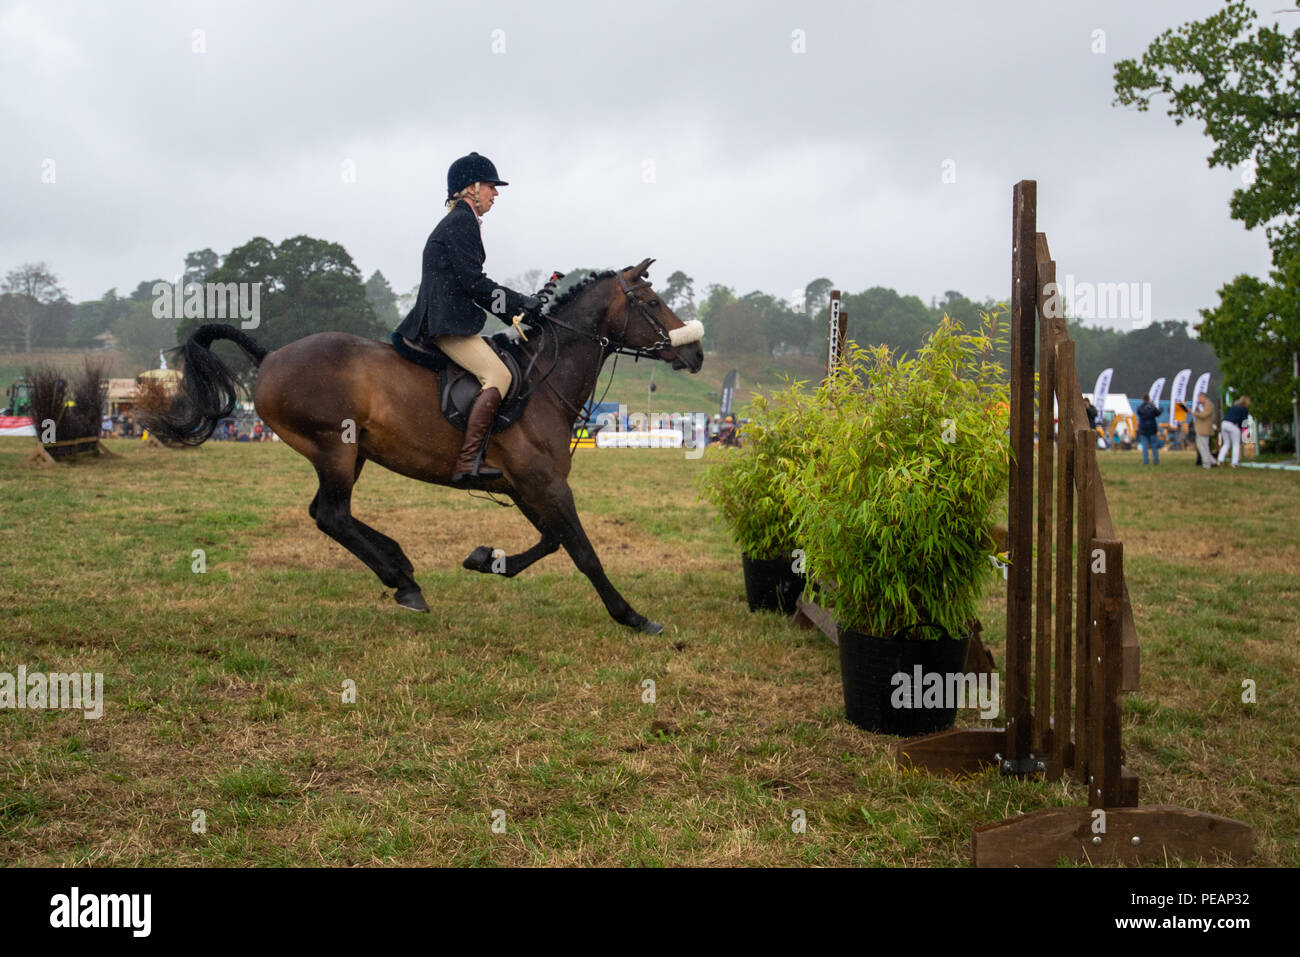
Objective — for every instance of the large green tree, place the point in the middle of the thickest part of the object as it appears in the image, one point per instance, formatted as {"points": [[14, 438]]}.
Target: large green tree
{"points": [[816, 297], [1244, 86], [716, 297], [1243, 83], [36, 305], [382, 299], [96, 316], [200, 264], [1255, 330], [679, 293], [737, 330], [307, 286], [141, 335]]}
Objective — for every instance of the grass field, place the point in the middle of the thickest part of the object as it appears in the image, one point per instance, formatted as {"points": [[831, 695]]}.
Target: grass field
{"points": [[224, 689]]}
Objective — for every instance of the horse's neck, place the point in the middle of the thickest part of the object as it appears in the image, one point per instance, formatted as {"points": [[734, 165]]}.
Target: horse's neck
{"points": [[570, 364]]}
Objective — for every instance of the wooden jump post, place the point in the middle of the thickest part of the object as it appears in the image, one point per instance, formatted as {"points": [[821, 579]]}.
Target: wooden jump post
{"points": [[1052, 661]]}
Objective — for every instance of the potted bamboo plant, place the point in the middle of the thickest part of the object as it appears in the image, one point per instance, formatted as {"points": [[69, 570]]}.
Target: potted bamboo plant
{"points": [[894, 506], [750, 487]]}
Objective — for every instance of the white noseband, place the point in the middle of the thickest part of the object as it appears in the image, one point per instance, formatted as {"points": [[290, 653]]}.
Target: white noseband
{"points": [[692, 331]]}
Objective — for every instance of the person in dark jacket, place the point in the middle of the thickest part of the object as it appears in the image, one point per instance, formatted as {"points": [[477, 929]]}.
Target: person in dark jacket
{"points": [[1234, 420], [1148, 427], [454, 292], [1092, 413]]}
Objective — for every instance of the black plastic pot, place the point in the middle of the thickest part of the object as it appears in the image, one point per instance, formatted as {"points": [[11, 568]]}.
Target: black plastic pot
{"points": [[771, 584], [868, 664]]}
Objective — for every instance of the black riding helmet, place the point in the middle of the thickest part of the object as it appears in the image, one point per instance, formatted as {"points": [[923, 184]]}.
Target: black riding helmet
{"points": [[469, 170]]}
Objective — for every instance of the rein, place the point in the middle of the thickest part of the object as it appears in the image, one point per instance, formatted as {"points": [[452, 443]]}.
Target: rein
{"points": [[664, 341]]}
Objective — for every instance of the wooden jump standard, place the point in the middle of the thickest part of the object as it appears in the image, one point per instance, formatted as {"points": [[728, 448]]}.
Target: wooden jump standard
{"points": [[1042, 733], [1091, 670]]}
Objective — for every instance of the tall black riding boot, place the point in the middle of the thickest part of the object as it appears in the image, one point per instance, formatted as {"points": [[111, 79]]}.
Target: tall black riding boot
{"points": [[476, 436]]}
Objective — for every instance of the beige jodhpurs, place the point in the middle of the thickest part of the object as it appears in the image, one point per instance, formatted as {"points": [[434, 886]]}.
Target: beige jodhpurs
{"points": [[474, 355]]}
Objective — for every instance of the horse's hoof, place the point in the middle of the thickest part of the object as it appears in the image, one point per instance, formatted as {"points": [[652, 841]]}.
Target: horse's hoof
{"points": [[479, 560], [652, 627], [411, 598]]}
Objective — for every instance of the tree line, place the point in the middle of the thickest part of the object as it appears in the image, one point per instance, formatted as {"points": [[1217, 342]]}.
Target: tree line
{"points": [[312, 285]]}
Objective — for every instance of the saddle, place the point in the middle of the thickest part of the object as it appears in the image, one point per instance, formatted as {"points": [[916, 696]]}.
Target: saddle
{"points": [[458, 387]]}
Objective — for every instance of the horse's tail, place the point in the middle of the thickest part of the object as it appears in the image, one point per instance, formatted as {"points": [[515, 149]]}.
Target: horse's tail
{"points": [[207, 392]]}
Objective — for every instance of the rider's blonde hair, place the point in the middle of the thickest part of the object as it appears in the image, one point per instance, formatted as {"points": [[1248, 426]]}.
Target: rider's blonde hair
{"points": [[464, 194]]}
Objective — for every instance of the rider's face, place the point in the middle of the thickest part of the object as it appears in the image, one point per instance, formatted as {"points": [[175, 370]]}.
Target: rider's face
{"points": [[485, 195]]}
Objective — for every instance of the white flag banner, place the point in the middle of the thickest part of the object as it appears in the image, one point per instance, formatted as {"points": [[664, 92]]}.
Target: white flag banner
{"points": [[1179, 392], [1099, 393], [1156, 388], [1202, 385]]}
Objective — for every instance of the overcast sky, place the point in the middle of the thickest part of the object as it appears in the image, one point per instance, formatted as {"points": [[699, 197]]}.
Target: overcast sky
{"points": [[692, 132]]}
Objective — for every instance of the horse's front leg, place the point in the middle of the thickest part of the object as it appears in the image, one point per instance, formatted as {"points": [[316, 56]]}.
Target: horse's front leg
{"points": [[485, 558], [551, 500]]}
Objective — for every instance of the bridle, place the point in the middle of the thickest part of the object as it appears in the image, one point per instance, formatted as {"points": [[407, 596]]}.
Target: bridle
{"points": [[665, 338], [605, 343]]}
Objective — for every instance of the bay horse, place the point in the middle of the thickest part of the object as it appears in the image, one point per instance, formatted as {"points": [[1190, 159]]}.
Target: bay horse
{"points": [[310, 392]]}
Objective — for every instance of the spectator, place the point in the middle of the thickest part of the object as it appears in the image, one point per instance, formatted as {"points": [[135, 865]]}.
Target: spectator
{"points": [[1092, 413], [1148, 428], [257, 432], [105, 427], [1230, 431], [1184, 427], [1203, 414]]}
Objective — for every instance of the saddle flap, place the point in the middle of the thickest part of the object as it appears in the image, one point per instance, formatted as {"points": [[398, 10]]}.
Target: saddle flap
{"points": [[458, 387]]}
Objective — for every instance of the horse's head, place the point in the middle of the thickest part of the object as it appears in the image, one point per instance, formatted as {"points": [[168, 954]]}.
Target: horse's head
{"points": [[636, 318]]}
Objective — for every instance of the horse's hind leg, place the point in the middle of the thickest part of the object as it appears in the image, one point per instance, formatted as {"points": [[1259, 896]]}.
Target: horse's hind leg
{"points": [[378, 538], [483, 558], [332, 509]]}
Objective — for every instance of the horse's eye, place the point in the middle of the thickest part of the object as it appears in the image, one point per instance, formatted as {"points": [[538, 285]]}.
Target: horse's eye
{"points": [[653, 303]]}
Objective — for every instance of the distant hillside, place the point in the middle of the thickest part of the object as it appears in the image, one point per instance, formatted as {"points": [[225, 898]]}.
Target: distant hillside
{"points": [[679, 391]]}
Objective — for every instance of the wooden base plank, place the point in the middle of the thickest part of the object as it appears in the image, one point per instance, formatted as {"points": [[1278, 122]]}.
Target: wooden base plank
{"points": [[808, 614], [40, 457], [959, 751], [1043, 838]]}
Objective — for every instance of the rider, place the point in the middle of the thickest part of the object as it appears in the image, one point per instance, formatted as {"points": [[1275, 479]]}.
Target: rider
{"points": [[454, 291]]}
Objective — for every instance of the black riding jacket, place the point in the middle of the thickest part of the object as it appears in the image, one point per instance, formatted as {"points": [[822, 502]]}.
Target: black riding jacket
{"points": [[454, 291]]}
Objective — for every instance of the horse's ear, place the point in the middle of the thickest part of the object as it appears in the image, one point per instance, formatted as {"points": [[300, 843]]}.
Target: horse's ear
{"points": [[641, 270]]}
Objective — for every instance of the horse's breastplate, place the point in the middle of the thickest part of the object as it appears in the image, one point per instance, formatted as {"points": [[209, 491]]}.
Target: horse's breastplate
{"points": [[459, 387]]}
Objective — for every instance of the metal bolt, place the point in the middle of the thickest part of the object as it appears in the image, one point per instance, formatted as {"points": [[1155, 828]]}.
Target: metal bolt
{"points": [[1097, 840], [1136, 840], [1098, 792]]}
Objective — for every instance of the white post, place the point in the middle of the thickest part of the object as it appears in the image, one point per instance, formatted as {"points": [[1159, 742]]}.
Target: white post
{"points": [[832, 334]]}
